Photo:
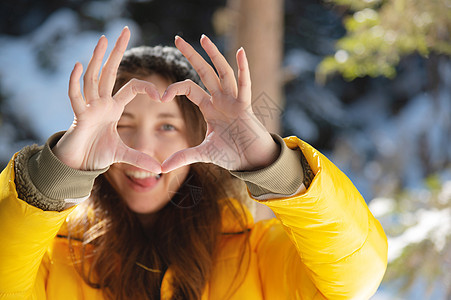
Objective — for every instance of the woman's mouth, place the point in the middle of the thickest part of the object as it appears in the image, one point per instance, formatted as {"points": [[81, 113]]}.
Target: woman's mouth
{"points": [[141, 179]]}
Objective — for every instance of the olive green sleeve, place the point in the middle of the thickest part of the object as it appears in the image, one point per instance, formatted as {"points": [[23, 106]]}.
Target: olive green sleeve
{"points": [[289, 174], [45, 182]]}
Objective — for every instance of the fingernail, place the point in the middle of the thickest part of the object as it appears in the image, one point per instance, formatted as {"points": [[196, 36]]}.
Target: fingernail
{"points": [[203, 36], [176, 37]]}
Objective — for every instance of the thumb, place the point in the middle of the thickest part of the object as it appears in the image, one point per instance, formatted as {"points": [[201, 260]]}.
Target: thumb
{"points": [[182, 158], [137, 158]]}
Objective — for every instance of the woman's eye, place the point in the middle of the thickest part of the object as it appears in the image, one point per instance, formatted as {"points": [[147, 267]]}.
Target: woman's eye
{"points": [[167, 127], [123, 126]]}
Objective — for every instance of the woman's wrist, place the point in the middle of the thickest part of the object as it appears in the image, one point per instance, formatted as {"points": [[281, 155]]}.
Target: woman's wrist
{"points": [[284, 176], [268, 152], [46, 182]]}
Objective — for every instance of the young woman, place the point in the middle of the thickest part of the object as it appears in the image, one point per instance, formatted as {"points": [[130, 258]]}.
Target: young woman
{"points": [[140, 197]]}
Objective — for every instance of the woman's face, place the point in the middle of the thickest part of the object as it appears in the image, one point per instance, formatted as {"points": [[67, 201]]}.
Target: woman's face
{"points": [[159, 130]]}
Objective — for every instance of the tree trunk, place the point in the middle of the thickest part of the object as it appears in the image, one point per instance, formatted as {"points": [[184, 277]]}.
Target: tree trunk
{"points": [[257, 26]]}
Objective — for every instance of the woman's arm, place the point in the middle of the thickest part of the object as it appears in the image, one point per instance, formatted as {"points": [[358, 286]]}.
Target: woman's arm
{"points": [[36, 191], [340, 247], [26, 234], [332, 248]]}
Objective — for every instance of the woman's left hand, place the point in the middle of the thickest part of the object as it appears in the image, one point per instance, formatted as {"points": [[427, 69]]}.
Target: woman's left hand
{"points": [[235, 138]]}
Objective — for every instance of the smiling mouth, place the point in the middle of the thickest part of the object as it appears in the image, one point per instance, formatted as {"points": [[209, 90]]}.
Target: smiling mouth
{"points": [[142, 174], [143, 179]]}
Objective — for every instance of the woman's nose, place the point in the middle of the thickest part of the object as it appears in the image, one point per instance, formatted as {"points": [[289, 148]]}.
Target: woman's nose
{"points": [[144, 141]]}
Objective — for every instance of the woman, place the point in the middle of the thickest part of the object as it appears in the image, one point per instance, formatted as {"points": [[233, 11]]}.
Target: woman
{"points": [[161, 220]]}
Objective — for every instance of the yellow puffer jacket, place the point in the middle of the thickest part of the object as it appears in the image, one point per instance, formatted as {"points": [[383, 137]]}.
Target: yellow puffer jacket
{"points": [[324, 244]]}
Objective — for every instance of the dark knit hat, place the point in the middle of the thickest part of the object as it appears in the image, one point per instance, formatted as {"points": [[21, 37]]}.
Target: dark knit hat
{"points": [[164, 60]]}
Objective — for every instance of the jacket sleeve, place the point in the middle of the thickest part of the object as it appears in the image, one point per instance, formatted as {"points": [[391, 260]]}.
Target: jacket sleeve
{"points": [[26, 233], [37, 193], [333, 248]]}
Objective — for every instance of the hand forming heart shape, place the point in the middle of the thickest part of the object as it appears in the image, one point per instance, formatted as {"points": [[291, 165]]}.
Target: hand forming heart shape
{"points": [[235, 139]]}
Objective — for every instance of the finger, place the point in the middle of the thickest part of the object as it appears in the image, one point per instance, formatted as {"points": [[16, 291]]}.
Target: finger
{"points": [[244, 77], [134, 87], [225, 71], [183, 158], [139, 159], [191, 90], [91, 78], [206, 72], [75, 96], [109, 70]]}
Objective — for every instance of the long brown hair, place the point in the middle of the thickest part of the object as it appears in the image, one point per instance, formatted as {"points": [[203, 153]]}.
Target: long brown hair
{"points": [[126, 260]]}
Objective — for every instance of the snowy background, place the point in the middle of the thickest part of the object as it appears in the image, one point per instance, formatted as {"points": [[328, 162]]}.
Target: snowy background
{"points": [[391, 137]]}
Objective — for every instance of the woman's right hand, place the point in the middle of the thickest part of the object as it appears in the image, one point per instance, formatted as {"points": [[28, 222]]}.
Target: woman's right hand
{"points": [[92, 141]]}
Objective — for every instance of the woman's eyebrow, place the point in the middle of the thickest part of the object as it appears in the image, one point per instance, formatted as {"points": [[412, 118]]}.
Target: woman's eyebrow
{"points": [[168, 115]]}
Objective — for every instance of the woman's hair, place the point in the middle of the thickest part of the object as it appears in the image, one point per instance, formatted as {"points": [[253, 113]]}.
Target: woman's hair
{"points": [[126, 260]]}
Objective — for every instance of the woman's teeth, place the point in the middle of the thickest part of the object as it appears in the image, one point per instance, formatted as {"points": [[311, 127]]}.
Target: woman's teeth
{"points": [[142, 174]]}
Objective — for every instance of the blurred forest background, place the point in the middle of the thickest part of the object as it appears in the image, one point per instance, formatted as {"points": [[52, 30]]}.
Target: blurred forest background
{"points": [[367, 82]]}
